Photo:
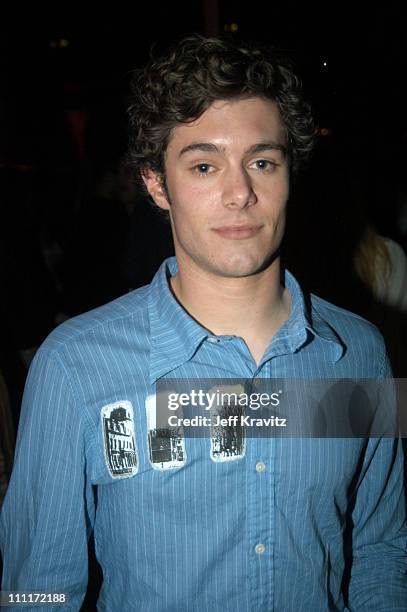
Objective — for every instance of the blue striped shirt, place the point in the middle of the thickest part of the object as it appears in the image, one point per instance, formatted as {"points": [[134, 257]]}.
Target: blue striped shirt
{"points": [[262, 532]]}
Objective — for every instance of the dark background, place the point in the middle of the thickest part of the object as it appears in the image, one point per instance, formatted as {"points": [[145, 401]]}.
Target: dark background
{"points": [[364, 47], [359, 91]]}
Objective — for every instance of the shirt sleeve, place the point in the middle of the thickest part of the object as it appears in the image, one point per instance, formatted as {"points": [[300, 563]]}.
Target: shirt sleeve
{"points": [[48, 511], [379, 537]]}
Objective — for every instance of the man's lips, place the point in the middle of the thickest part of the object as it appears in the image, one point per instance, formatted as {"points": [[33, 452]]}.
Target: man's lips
{"points": [[237, 232]]}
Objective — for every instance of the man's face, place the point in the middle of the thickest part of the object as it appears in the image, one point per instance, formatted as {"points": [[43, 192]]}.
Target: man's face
{"points": [[227, 186]]}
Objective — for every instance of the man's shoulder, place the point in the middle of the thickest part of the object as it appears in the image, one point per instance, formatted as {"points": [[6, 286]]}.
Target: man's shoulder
{"points": [[125, 313], [347, 324]]}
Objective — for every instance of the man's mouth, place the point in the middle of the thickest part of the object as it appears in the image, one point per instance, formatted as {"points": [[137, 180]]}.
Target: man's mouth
{"points": [[237, 232]]}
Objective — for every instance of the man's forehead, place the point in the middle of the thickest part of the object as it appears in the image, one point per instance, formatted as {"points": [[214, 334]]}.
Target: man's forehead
{"points": [[211, 147], [253, 121]]}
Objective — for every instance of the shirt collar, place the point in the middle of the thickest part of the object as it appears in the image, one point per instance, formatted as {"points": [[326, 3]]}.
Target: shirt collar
{"points": [[303, 324], [176, 336]]}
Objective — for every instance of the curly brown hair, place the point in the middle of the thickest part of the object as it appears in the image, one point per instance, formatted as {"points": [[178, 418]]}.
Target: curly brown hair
{"points": [[181, 85]]}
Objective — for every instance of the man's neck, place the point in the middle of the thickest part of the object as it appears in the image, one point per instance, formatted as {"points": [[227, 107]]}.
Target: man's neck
{"points": [[253, 307]]}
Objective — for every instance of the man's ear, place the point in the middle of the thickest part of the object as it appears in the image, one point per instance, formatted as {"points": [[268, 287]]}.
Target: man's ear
{"points": [[155, 187]]}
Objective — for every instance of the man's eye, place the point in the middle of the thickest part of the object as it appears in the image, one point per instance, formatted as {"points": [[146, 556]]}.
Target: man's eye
{"points": [[202, 168], [264, 164]]}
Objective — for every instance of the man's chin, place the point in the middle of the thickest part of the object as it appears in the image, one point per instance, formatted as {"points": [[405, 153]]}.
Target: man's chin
{"points": [[242, 269]]}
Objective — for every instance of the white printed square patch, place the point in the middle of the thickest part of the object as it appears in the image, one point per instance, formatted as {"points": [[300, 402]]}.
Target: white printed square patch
{"points": [[228, 439], [166, 444], [119, 439]]}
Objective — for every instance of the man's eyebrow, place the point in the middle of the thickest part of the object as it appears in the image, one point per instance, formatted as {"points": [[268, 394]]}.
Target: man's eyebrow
{"points": [[267, 146], [209, 147], [206, 147]]}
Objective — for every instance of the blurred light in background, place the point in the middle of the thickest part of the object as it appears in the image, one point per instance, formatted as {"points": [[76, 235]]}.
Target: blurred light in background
{"points": [[231, 27], [59, 43]]}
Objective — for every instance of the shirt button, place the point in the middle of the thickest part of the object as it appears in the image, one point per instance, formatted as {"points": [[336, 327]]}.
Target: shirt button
{"points": [[259, 548], [213, 339], [257, 381], [260, 467]]}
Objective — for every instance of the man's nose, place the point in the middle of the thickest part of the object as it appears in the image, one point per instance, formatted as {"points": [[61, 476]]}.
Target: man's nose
{"points": [[238, 189]]}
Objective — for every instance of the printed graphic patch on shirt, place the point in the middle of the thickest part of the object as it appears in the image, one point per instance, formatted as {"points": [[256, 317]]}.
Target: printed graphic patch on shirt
{"points": [[166, 444], [119, 439], [228, 437]]}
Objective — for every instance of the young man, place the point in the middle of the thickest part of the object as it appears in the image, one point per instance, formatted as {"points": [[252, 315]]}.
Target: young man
{"points": [[272, 524]]}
